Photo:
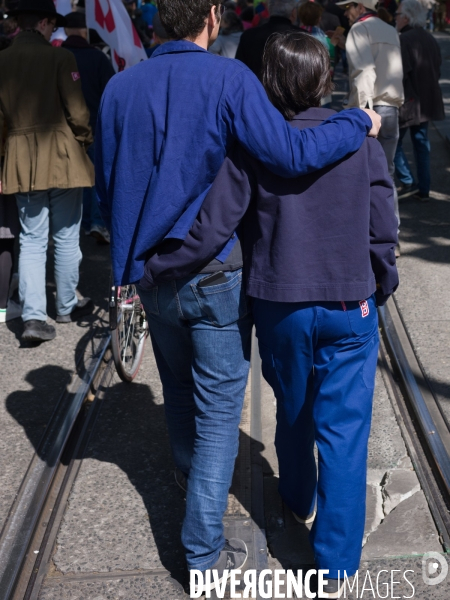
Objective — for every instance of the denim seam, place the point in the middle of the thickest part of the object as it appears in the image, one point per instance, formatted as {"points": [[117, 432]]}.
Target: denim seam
{"points": [[177, 300]]}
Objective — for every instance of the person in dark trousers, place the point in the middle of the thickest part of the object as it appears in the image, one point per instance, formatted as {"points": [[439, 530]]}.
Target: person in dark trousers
{"points": [[251, 46], [9, 230], [95, 71], [157, 156], [319, 256], [422, 61]]}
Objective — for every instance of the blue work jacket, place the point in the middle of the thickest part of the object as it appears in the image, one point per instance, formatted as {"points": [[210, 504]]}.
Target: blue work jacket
{"points": [[164, 129]]}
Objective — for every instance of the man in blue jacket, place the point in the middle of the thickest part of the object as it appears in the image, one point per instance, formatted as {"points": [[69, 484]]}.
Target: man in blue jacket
{"points": [[163, 132]]}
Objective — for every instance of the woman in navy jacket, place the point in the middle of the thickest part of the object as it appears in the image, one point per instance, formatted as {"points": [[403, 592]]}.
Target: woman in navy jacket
{"points": [[318, 255]]}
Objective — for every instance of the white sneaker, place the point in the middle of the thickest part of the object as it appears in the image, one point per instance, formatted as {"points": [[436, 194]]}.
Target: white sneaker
{"points": [[305, 520], [101, 234], [12, 311]]}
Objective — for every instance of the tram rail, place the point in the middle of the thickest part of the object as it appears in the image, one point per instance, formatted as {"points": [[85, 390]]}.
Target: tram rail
{"points": [[424, 427], [17, 557]]}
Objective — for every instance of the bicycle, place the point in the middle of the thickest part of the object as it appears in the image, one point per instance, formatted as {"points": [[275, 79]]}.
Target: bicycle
{"points": [[129, 330]]}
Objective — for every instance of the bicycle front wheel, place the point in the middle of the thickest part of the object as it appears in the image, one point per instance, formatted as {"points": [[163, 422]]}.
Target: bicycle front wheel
{"points": [[129, 336]]}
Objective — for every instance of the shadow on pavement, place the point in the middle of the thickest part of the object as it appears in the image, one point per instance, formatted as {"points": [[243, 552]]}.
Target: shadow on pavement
{"points": [[130, 433]]}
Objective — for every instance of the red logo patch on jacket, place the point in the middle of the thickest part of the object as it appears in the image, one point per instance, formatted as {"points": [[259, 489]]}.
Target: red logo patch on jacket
{"points": [[75, 76], [364, 308]]}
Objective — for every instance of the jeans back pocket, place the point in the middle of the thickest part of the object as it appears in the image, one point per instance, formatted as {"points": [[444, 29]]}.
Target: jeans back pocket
{"points": [[224, 303]]}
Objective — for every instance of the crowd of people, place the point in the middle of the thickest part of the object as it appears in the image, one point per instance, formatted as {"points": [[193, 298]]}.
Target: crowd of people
{"points": [[229, 205]]}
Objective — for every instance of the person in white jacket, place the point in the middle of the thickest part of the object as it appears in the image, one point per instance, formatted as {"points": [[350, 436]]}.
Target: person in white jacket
{"points": [[375, 73]]}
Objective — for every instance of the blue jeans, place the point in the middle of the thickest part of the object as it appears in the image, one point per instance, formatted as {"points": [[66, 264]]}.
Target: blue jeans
{"points": [[388, 138], [57, 211], [201, 340], [91, 210], [320, 359], [421, 147]]}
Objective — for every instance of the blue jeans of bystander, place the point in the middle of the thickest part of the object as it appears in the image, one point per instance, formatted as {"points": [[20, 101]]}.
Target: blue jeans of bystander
{"points": [[201, 340], [421, 147], [57, 211]]}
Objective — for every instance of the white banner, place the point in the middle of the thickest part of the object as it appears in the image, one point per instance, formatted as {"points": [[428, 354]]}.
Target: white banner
{"points": [[113, 24]]}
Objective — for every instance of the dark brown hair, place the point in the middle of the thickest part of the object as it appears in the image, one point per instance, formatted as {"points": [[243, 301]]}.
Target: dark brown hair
{"points": [[182, 19], [296, 72], [29, 20], [310, 13]]}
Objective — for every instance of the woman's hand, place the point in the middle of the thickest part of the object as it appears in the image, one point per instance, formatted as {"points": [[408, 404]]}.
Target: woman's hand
{"points": [[376, 122]]}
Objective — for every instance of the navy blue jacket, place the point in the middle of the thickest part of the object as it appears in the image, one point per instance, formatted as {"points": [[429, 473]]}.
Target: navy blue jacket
{"points": [[95, 71], [164, 129], [326, 236]]}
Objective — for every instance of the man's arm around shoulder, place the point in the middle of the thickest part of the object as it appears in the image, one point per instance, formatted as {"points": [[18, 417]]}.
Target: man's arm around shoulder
{"points": [[287, 151]]}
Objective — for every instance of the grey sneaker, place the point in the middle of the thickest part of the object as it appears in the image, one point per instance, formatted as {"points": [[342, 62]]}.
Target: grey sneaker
{"points": [[101, 234], [333, 589], [232, 557], [38, 331], [408, 190], [82, 309]]}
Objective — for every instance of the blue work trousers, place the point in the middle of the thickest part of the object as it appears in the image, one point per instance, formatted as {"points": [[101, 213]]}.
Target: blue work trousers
{"points": [[421, 147], [201, 340], [320, 359], [59, 212]]}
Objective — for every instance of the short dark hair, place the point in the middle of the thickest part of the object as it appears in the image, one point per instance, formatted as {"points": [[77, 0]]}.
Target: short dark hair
{"points": [[30, 20], [183, 19], [310, 13], [296, 72]]}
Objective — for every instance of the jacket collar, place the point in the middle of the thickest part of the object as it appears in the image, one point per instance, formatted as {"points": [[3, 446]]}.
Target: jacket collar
{"points": [[367, 15], [278, 19], [175, 47], [76, 41], [30, 37], [315, 113], [406, 28]]}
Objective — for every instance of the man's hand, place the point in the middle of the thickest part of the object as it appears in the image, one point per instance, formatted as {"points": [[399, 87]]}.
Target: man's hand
{"points": [[376, 122], [0, 187]]}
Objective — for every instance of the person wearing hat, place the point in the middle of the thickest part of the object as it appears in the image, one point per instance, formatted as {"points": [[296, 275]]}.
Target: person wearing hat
{"points": [[375, 73], [95, 71], [46, 165], [160, 35]]}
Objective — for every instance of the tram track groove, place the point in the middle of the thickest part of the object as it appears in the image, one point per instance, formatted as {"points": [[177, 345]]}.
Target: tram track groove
{"points": [[423, 425], [20, 525]]}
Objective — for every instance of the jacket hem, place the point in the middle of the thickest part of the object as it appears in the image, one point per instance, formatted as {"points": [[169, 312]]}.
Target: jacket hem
{"points": [[296, 293]]}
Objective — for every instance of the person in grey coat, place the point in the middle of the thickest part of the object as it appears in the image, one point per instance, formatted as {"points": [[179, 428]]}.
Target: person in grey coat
{"points": [[231, 29], [422, 60]]}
